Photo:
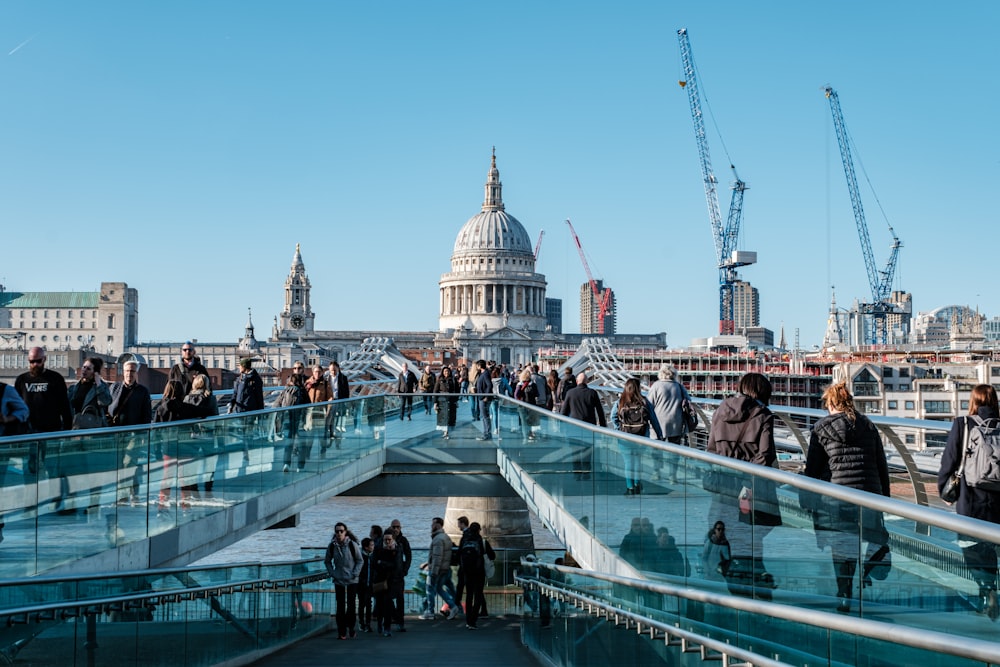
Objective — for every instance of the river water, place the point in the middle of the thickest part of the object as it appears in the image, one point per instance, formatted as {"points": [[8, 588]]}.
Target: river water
{"points": [[359, 513]]}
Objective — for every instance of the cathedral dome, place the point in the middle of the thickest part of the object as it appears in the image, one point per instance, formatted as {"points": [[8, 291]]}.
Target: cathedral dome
{"points": [[493, 231]]}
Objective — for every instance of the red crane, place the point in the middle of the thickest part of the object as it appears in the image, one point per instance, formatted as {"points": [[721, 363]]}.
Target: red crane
{"points": [[603, 301], [538, 246]]}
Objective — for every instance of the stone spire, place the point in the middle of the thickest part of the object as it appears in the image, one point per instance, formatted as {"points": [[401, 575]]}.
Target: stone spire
{"points": [[249, 342], [494, 200], [834, 335]]}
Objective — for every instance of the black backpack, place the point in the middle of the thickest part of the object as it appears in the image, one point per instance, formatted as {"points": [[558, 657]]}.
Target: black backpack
{"points": [[471, 554], [633, 418]]}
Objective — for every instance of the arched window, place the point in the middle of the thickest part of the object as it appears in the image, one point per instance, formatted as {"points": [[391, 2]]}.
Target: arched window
{"points": [[111, 321]]}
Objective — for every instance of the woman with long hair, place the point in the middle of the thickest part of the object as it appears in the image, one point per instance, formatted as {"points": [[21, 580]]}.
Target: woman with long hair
{"points": [[633, 413], [526, 391], [343, 563], [743, 428], [845, 448], [980, 557], [446, 400]]}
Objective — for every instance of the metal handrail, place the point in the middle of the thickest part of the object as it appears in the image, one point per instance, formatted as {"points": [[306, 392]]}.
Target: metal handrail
{"points": [[724, 650], [929, 640]]}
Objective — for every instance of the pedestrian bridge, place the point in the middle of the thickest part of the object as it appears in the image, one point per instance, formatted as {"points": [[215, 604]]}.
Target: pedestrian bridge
{"points": [[99, 528]]}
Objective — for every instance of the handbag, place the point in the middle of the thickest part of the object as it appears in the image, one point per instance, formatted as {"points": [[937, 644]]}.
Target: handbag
{"points": [[489, 566], [953, 487], [89, 418], [380, 586], [690, 416]]}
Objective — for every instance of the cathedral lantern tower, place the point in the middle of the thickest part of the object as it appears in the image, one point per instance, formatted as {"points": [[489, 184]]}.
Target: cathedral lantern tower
{"points": [[297, 317]]}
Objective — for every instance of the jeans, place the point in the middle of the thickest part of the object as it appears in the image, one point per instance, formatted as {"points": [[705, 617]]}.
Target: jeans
{"points": [[487, 427], [440, 584]]}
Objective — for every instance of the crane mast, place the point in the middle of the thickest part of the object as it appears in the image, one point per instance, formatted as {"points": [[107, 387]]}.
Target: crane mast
{"points": [[603, 301], [725, 236], [879, 281]]}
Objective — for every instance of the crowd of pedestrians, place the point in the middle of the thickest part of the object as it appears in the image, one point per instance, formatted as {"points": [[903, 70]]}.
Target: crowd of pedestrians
{"points": [[369, 576]]}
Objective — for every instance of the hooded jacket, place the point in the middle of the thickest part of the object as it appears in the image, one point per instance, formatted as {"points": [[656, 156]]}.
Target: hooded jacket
{"points": [[743, 428]]}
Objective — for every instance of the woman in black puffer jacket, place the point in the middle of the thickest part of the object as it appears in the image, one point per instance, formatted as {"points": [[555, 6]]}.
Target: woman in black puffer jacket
{"points": [[845, 448], [980, 557]]}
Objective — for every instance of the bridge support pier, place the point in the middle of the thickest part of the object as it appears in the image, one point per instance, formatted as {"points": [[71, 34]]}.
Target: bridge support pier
{"points": [[506, 522]]}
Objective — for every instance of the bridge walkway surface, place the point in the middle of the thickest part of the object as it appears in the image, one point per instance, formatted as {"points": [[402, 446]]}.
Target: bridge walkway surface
{"points": [[495, 643], [921, 610]]}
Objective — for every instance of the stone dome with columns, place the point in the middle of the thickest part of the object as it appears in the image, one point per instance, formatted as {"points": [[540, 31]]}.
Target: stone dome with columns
{"points": [[492, 284]]}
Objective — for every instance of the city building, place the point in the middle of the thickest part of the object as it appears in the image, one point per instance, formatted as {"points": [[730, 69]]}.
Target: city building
{"points": [[746, 307], [590, 309], [105, 321]]}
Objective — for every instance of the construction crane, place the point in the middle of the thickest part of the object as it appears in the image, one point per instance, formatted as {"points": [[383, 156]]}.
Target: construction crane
{"points": [[538, 244], [603, 301], [726, 237], [880, 281]]}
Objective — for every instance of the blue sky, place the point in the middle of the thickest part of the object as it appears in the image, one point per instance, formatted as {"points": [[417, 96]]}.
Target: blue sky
{"points": [[186, 147]]}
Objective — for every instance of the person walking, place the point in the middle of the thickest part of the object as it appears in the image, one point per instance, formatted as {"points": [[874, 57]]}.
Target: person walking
{"points": [[45, 393], [632, 413], [439, 572], [446, 401], [845, 448], [582, 403], [406, 384], [427, 383], [743, 429], [483, 399], [980, 557], [388, 577], [343, 563], [667, 396], [472, 550]]}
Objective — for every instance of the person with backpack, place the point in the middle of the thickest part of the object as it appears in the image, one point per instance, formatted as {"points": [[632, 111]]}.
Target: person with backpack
{"points": [[343, 563], [973, 501], [845, 448], [472, 550], [294, 394], [633, 414]]}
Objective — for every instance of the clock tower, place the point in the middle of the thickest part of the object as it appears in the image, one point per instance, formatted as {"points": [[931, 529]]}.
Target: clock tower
{"points": [[297, 317]]}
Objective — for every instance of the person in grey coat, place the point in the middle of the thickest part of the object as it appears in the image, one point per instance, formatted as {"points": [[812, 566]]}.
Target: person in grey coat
{"points": [[667, 396], [343, 563]]}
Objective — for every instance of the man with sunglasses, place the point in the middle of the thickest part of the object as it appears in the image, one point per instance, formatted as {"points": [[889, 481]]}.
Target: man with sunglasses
{"points": [[44, 391], [188, 368], [46, 395]]}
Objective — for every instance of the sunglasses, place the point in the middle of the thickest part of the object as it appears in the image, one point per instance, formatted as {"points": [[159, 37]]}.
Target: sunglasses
{"points": [[187, 349], [36, 361]]}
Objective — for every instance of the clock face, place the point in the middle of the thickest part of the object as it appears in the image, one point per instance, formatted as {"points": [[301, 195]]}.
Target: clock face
{"points": [[297, 321]]}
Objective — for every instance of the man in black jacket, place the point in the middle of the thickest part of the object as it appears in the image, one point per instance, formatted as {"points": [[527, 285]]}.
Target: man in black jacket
{"points": [[130, 406], [405, 387], [187, 368], [248, 390], [583, 403], [130, 401]]}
